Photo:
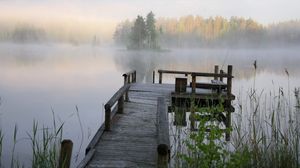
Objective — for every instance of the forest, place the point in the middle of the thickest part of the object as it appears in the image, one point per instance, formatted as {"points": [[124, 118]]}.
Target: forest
{"points": [[196, 31]]}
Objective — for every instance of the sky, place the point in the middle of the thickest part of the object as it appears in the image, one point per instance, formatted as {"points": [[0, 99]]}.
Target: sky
{"points": [[264, 11], [104, 15]]}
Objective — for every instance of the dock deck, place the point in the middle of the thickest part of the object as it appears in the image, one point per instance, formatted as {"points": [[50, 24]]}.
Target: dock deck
{"points": [[132, 141], [136, 128]]}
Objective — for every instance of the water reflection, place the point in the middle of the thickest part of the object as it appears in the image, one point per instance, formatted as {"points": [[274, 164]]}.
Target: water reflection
{"points": [[58, 77], [273, 61], [36, 78]]}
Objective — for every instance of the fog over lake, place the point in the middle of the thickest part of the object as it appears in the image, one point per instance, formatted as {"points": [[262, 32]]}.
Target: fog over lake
{"points": [[34, 79]]}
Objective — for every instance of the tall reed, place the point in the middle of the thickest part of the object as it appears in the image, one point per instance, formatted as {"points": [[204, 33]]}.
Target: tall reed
{"points": [[265, 133]]}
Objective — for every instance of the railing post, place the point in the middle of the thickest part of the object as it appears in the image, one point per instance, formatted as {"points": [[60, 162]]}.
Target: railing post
{"points": [[107, 117], [221, 72], [192, 116], [160, 77], [125, 78], [228, 101], [129, 78], [134, 74], [121, 105], [193, 83], [65, 153], [153, 77], [216, 72], [126, 81]]}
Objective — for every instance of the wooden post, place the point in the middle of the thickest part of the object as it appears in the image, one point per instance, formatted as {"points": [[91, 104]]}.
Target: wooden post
{"points": [[107, 117], [153, 77], [121, 105], [125, 78], [193, 83], [228, 101], [180, 116], [163, 147], [180, 85], [134, 74], [129, 78], [126, 82], [216, 71], [193, 102], [65, 153], [160, 77], [221, 72]]}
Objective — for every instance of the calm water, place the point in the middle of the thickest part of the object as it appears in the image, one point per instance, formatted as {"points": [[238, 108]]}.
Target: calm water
{"points": [[37, 78]]}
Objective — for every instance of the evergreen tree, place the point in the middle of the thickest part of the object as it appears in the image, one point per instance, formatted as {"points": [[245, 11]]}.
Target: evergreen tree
{"points": [[151, 31], [122, 33], [138, 34]]}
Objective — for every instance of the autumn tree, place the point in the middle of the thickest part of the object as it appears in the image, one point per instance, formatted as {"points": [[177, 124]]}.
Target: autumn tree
{"points": [[196, 31]]}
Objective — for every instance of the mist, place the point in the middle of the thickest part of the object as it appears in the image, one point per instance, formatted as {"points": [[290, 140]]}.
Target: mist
{"points": [[61, 54], [216, 32], [95, 22]]}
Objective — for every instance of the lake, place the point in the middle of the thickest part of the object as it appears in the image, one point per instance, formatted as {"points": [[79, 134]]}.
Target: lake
{"points": [[36, 79]]}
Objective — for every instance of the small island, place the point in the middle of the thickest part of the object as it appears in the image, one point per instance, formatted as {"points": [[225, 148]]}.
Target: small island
{"points": [[142, 35]]}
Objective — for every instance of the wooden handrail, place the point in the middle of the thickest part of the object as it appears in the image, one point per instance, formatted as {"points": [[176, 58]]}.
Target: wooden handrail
{"points": [[202, 74], [130, 72], [163, 141], [130, 77], [117, 97], [215, 75]]}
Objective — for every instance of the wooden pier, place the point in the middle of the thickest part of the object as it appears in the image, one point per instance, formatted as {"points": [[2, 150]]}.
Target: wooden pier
{"points": [[136, 128]]}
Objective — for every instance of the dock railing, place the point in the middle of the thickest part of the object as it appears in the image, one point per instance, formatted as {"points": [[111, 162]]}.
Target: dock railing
{"points": [[129, 77], [110, 111], [218, 77]]}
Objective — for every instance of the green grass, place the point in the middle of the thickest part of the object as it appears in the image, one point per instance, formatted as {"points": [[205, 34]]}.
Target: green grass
{"points": [[45, 145], [265, 133]]}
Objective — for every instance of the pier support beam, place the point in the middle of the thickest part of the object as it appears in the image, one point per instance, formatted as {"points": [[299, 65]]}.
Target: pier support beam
{"points": [[160, 77], [228, 102], [153, 77], [65, 154], [163, 148], [107, 117], [216, 72]]}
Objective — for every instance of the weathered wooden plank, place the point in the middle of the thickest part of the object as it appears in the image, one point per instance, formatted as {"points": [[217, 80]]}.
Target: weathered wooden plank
{"points": [[133, 138], [117, 96], [125, 146], [144, 157], [86, 159], [213, 96], [125, 137], [98, 134], [203, 74], [163, 141], [210, 85], [112, 164]]}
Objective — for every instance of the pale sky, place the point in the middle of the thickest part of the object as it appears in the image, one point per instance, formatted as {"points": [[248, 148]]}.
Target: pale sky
{"points": [[264, 11]]}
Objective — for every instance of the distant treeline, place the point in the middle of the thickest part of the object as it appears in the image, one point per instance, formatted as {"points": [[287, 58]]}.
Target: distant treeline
{"points": [[196, 31], [32, 33]]}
